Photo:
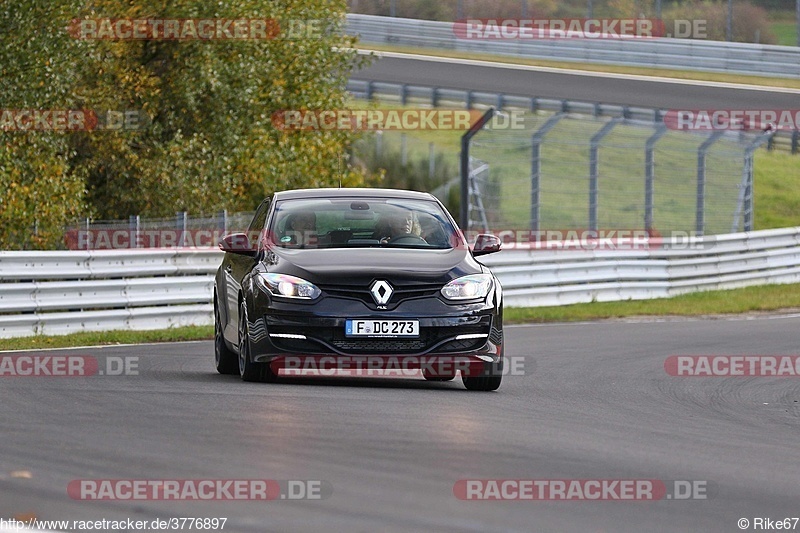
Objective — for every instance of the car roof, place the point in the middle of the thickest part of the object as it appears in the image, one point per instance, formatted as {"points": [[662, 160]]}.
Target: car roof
{"points": [[353, 192]]}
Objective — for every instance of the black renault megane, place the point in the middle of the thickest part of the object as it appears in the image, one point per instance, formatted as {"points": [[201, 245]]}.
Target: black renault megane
{"points": [[348, 276]]}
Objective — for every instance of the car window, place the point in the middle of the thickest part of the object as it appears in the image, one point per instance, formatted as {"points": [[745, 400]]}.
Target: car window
{"points": [[359, 222], [256, 228]]}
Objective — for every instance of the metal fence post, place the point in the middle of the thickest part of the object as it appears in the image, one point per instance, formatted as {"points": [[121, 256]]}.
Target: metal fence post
{"points": [[594, 164], [700, 223], [431, 160], [133, 231], [182, 221], [650, 174], [464, 164], [536, 167], [745, 203]]}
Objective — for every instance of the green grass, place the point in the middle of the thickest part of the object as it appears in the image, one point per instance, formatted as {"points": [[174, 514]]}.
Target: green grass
{"points": [[777, 189], [750, 299], [785, 32], [101, 338], [641, 71]]}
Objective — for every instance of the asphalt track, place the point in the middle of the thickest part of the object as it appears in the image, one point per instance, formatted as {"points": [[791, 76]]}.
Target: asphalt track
{"points": [[573, 85], [595, 402]]}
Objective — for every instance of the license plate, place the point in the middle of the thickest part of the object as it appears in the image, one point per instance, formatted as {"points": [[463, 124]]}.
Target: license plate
{"points": [[382, 328]]}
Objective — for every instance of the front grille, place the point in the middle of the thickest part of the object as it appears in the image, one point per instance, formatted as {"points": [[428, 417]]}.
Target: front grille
{"points": [[379, 346], [399, 295]]}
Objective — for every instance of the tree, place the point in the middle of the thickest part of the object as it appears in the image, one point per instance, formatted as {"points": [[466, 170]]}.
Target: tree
{"points": [[207, 141]]}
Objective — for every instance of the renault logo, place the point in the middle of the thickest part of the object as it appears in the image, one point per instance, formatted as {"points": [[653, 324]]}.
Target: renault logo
{"points": [[381, 292]]}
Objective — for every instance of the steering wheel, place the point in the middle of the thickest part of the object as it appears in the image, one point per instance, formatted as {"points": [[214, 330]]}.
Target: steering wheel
{"points": [[408, 238]]}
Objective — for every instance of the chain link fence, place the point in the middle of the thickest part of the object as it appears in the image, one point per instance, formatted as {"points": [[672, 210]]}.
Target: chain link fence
{"points": [[182, 230], [567, 171]]}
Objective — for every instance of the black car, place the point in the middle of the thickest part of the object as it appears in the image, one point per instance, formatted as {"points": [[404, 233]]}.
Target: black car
{"points": [[349, 277]]}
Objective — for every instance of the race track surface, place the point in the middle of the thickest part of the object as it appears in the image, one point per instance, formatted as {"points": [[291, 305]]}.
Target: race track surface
{"points": [[588, 87], [595, 403]]}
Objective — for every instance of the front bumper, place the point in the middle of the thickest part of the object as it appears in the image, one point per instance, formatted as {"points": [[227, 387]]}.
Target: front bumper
{"points": [[463, 332]]}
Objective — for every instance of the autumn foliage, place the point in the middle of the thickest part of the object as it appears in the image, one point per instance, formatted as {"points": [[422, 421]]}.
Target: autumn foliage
{"points": [[203, 140]]}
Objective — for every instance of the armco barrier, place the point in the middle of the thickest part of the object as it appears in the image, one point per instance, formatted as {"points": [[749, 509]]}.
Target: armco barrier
{"points": [[683, 54], [559, 277], [64, 292]]}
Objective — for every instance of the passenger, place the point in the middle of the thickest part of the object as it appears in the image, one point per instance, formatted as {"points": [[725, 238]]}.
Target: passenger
{"points": [[300, 229], [431, 231]]}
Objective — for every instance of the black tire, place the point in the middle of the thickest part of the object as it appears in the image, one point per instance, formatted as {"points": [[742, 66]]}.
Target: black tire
{"points": [[248, 370], [225, 360], [489, 380]]}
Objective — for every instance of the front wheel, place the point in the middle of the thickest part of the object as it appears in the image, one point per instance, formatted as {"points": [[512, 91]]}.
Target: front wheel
{"points": [[248, 370], [488, 380], [224, 358]]}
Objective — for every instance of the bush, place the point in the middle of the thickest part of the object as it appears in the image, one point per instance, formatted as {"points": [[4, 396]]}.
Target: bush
{"points": [[750, 22]]}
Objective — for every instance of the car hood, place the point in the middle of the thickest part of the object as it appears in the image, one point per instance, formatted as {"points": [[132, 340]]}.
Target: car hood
{"points": [[357, 266]]}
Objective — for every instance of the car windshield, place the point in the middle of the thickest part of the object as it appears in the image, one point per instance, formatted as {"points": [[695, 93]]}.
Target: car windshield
{"points": [[361, 222]]}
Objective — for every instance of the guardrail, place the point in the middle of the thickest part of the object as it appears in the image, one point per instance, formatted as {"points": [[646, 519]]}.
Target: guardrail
{"points": [[684, 54], [55, 293], [63, 292], [533, 278], [406, 94]]}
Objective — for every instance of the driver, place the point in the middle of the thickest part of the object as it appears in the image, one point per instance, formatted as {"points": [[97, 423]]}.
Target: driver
{"points": [[398, 224]]}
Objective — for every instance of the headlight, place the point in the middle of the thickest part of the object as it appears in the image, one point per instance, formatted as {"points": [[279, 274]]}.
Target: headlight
{"points": [[468, 287], [288, 286]]}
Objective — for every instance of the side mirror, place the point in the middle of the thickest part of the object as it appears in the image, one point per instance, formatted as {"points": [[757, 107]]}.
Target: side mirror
{"points": [[237, 243], [486, 244]]}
